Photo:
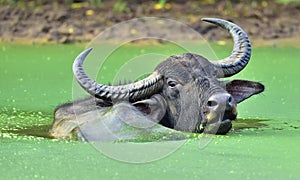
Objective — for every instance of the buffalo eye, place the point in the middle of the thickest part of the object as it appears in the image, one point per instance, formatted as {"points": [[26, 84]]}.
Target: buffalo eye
{"points": [[172, 83]]}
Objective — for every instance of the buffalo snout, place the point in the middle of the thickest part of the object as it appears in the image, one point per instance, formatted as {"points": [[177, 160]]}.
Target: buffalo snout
{"points": [[220, 107]]}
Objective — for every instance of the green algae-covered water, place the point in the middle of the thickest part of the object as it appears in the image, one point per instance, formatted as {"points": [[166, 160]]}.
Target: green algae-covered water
{"points": [[35, 79]]}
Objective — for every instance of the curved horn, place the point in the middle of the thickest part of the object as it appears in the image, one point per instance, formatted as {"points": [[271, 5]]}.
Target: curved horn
{"points": [[241, 52], [131, 92]]}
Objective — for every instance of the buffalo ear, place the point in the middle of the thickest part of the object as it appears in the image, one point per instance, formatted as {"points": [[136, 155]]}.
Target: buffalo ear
{"points": [[153, 108], [242, 89]]}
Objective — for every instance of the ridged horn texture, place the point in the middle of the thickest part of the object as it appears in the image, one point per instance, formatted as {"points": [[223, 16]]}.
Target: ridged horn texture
{"points": [[241, 52], [131, 92]]}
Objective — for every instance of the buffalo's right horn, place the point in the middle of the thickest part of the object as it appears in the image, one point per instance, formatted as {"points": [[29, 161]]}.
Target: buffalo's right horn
{"points": [[131, 92]]}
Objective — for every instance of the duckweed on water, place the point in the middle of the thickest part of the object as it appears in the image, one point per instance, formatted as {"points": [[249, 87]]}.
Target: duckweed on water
{"points": [[255, 149], [30, 125], [14, 123]]}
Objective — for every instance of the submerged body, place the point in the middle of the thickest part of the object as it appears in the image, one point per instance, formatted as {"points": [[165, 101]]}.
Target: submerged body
{"points": [[183, 93]]}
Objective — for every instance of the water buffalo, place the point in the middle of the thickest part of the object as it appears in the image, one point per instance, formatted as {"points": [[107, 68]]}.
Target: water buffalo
{"points": [[183, 93]]}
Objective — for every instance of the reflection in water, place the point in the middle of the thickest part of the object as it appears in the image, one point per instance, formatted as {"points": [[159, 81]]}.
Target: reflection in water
{"points": [[36, 131], [43, 130], [249, 123]]}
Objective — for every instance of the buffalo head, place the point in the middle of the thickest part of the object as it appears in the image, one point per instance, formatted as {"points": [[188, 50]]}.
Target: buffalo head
{"points": [[185, 92]]}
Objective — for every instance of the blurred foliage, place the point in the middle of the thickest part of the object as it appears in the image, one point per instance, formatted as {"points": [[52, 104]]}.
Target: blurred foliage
{"points": [[120, 6], [97, 3], [162, 4]]}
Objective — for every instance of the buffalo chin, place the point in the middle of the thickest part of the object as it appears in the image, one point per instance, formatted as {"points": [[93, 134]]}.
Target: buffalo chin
{"points": [[222, 127]]}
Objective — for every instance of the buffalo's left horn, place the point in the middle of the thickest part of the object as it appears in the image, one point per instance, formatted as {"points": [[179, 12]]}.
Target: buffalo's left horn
{"points": [[131, 92], [241, 52]]}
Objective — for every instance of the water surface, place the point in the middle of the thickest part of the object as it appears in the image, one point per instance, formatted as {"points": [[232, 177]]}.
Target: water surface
{"points": [[263, 145]]}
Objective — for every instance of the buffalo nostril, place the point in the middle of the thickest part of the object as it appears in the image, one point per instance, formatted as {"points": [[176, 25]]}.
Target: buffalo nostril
{"points": [[220, 100], [230, 99], [230, 102], [212, 103]]}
